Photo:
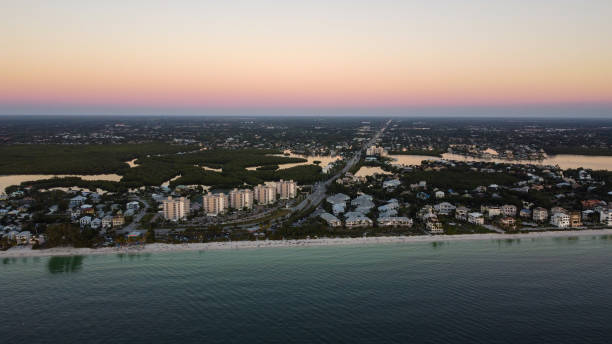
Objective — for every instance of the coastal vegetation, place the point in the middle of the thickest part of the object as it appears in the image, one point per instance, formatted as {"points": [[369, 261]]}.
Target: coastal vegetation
{"points": [[156, 164]]}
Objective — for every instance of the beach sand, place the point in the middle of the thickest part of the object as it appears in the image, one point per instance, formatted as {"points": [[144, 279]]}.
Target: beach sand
{"points": [[158, 247]]}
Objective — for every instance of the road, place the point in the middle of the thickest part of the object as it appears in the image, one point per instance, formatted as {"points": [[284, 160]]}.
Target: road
{"points": [[320, 188], [135, 221]]}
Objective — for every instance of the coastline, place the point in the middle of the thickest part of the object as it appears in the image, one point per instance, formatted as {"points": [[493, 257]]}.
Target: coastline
{"points": [[22, 252]]}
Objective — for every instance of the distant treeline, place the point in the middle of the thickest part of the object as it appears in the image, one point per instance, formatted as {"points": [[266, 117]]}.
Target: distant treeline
{"points": [[435, 152], [78, 159], [577, 150]]}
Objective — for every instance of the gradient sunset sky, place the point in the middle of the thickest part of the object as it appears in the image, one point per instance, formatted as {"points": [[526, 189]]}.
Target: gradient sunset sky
{"points": [[303, 57]]}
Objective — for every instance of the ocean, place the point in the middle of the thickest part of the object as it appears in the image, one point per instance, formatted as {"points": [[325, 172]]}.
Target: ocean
{"points": [[546, 290]]}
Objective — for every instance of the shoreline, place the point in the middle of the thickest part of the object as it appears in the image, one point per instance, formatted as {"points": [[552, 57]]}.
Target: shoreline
{"points": [[21, 252]]}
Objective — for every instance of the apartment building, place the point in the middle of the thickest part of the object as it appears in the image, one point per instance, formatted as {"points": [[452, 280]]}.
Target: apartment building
{"points": [[174, 209], [265, 194], [240, 199], [214, 204], [286, 189]]}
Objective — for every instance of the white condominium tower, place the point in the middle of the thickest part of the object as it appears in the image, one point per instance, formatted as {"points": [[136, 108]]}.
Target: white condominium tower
{"points": [[286, 189], [240, 199], [265, 194], [176, 209], [214, 204]]}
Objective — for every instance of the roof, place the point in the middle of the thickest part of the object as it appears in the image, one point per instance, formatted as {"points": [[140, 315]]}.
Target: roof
{"points": [[338, 198], [329, 217]]}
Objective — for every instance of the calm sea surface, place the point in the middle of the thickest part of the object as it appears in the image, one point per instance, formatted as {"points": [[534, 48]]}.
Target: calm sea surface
{"points": [[509, 291]]}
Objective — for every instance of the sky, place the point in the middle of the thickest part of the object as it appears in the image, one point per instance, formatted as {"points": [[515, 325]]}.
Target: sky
{"points": [[305, 57]]}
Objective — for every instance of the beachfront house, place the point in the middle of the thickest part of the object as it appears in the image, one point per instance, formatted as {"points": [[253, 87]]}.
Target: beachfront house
{"points": [[85, 221], [560, 220], [444, 208], [394, 221], [331, 220], [434, 227], [23, 238], [354, 219], [461, 213], [539, 214], [509, 210], [475, 218]]}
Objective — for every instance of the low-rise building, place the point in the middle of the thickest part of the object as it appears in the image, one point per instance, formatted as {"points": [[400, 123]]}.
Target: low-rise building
{"points": [[357, 220], [575, 219], [461, 213], [23, 237], [444, 208], [134, 205], [118, 220], [475, 218], [540, 214], [392, 183], [509, 210], [85, 221], [331, 220], [508, 222], [107, 221], [560, 220], [434, 227], [394, 221], [491, 210]]}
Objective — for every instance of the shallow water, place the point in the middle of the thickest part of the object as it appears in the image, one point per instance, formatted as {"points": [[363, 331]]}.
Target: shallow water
{"points": [[496, 291]]}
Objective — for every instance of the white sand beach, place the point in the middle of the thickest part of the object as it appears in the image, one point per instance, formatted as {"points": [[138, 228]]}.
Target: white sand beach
{"points": [[158, 247]]}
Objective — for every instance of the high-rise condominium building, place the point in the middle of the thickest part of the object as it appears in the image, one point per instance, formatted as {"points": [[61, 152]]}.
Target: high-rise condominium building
{"points": [[240, 199], [375, 150], [265, 194], [214, 204], [286, 189], [176, 208]]}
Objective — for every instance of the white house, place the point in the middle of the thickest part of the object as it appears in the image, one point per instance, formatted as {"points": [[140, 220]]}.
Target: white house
{"points": [[96, 223], [475, 218], [444, 208], [133, 205], [77, 200], [23, 237], [394, 221], [560, 220], [509, 210], [439, 194], [357, 220], [85, 221], [393, 183], [107, 221], [331, 220], [461, 213]]}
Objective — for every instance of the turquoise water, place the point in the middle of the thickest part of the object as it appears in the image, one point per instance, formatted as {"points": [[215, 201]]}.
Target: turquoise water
{"points": [[508, 291]]}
